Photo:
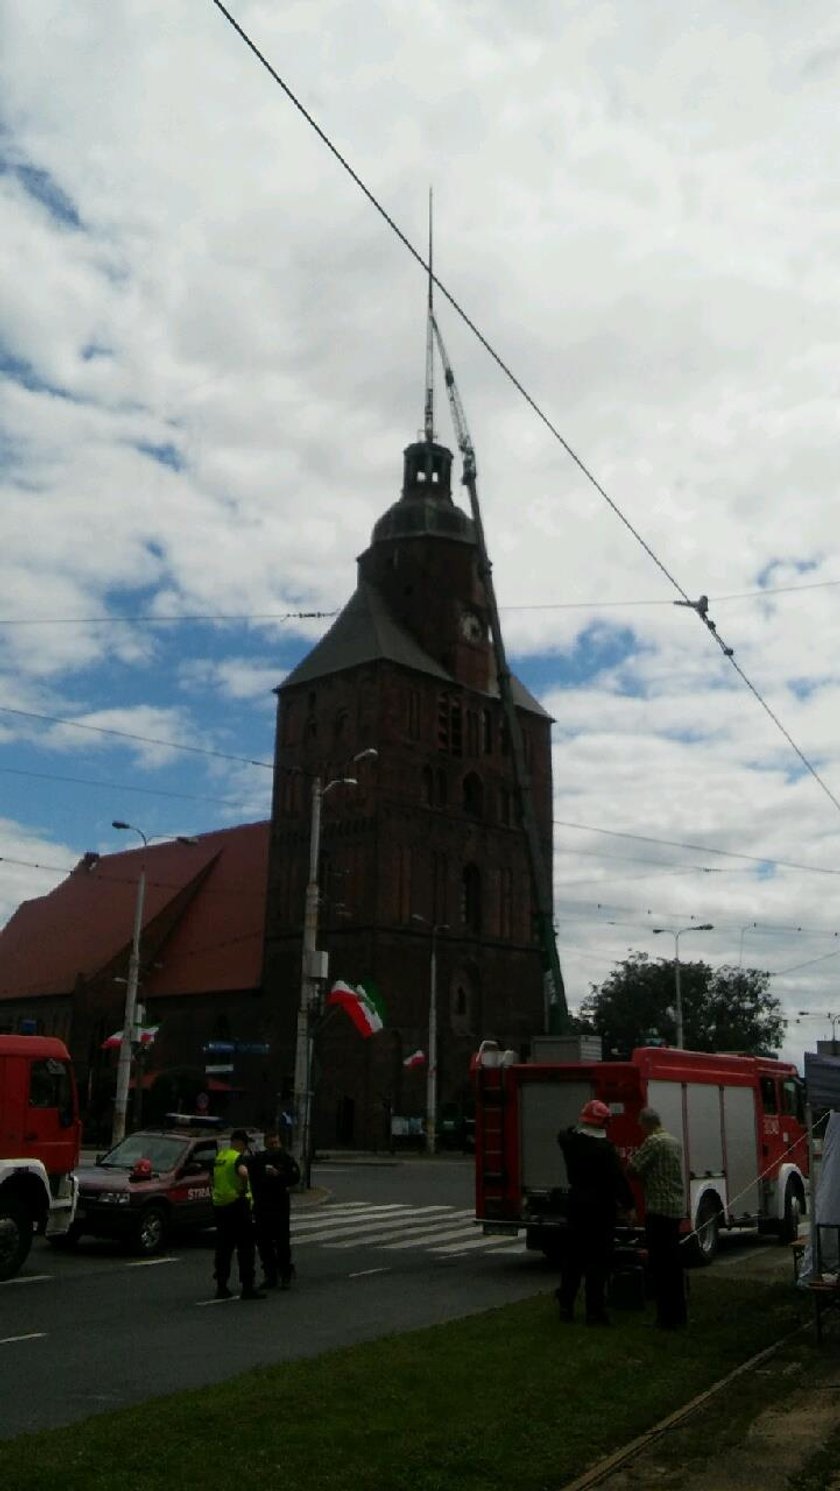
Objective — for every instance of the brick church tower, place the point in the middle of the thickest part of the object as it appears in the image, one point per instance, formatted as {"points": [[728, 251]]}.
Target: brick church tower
{"points": [[426, 847]]}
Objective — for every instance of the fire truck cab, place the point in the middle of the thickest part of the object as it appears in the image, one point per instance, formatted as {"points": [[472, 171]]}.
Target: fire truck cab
{"points": [[39, 1144], [740, 1121]]}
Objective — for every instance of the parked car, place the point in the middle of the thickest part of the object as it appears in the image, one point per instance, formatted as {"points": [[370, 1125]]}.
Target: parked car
{"points": [[152, 1184]]}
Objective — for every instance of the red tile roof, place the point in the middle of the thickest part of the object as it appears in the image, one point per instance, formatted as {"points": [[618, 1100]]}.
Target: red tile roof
{"points": [[87, 921]]}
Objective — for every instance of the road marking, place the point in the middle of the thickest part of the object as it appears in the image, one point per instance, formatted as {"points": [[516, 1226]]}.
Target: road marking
{"points": [[430, 1227], [442, 1235], [203, 1302], [333, 1219], [33, 1336], [467, 1246], [29, 1279], [151, 1262], [365, 1273]]}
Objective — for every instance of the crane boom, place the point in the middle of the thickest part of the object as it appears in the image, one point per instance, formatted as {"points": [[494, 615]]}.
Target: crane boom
{"points": [[557, 1014]]}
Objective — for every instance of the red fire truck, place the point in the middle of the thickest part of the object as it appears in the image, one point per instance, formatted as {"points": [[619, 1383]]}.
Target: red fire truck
{"points": [[39, 1144], [740, 1120]]}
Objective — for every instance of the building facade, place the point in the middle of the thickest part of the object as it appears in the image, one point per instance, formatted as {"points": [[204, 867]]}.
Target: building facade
{"points": [[425, 851]]}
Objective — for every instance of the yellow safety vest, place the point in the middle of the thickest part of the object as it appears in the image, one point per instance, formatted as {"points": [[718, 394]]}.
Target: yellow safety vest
{"points": [[227, 1185]]}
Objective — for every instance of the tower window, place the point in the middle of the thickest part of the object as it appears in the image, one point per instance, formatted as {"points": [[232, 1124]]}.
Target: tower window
{"points": [[443, 789], [487, 732], [428, 786], [473, 795], [472, 733], [505, 903], [471, 898], [504, 806], [413, 714], [456, 736]]}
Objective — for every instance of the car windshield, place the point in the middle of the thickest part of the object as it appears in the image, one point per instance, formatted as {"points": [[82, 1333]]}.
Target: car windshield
{"points": [[164, 1153]]}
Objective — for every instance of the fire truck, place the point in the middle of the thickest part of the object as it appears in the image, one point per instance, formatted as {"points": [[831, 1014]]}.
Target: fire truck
{"points": [[740, 1121], [40, 1135]]}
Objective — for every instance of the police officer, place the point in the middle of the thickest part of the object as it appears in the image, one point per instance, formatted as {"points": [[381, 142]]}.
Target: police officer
{"points": [[598, 1189], [232, 1215], [272, 1171]]}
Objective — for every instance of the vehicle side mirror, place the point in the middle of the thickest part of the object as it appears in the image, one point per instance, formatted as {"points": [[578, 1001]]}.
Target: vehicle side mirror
{"points": [[99, 1159], [195, 1167]]}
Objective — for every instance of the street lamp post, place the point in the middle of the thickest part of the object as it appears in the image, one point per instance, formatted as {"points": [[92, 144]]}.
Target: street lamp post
{"points": [[432, 1062], [313, 973], [695, 927], [132, 984]]}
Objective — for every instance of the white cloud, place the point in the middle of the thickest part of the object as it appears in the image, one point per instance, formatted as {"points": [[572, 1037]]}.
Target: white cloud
{"points": [[638, 208]]}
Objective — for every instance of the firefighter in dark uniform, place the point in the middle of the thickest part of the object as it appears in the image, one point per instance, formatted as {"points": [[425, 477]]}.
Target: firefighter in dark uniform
{"points": [[232, 1215], [598, 1190], [272, 1172]]}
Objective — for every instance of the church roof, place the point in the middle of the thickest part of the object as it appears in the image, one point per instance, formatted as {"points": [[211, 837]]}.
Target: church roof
{"points": [[211, 896], [366, 632]]}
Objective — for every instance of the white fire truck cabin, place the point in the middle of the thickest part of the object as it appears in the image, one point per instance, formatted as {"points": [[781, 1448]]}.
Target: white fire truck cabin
{"points": [[740, 1121]]}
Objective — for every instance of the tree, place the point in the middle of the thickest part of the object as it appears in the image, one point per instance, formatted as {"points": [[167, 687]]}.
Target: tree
{"points": [[724, 1009]]}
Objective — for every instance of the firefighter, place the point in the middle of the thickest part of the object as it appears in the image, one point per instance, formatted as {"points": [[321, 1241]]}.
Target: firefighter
{"points": [[232, 1215], [659, 1166], [598, 1189], [272, 1171]]}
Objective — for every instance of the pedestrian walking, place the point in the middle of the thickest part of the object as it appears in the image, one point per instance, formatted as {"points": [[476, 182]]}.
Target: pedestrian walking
{"points": [[232, 1215], [658, 1164], [598, 1190], [272, 1172]]}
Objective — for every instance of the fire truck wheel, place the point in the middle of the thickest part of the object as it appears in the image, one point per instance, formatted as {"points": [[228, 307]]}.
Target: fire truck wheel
{"points": [[15, 1235], [151, 1231], [794, 1209], [703, 1246]]}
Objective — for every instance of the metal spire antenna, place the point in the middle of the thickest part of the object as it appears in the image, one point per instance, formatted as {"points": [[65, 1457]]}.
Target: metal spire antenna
{"points": [[429, 420], [557, 1010]]}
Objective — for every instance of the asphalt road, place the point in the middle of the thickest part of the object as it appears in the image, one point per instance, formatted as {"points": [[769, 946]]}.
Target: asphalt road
{"points": [[392, 1249]]}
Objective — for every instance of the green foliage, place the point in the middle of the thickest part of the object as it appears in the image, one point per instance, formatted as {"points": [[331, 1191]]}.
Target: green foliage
{"points": [[724, 1009]]}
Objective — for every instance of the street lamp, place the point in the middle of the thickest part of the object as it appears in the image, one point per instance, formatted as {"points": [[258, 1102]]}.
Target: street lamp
{"points": [[695, 927], [432, 1062], [313, 972], [129, 1017]]}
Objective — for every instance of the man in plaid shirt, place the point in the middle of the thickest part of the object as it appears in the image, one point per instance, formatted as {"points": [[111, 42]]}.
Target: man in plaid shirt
{"points": [[658, 1165]]}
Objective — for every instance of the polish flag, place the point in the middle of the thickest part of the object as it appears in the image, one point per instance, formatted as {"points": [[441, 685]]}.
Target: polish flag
{"points": [[417, 1058]]}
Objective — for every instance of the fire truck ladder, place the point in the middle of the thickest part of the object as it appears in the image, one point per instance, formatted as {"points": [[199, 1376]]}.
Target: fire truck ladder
{"points": [[557, 1013]]}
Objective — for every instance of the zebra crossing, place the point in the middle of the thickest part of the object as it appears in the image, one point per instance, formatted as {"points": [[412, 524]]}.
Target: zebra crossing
{"points": [[396, 1227]]}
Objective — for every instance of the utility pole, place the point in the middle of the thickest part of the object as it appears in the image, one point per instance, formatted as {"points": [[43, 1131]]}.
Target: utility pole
{"points": [[313, 974]]}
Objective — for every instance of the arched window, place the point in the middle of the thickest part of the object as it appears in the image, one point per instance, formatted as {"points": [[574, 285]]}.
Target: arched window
{"points": [[471, 898], [443, 789], [473, 795], [428, 786], [340, 725]]}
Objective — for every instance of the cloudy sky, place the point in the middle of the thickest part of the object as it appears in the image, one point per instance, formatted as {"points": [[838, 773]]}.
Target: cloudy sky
{"points": [[212, 354]]}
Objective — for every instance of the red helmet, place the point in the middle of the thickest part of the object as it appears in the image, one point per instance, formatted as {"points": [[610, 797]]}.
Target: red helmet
{"points": [[595, 1113]]}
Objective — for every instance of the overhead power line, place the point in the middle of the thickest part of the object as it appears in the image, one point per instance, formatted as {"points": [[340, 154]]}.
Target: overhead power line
{"points": [[755, 859], [700, 606], [170, 745], [52, 776], [153, 618]]}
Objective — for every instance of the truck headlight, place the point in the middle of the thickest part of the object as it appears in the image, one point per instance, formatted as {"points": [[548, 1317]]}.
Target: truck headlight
{"points": [[114, 1198]]}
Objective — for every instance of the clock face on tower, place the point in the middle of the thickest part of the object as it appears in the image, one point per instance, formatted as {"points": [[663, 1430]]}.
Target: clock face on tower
{"points": [[470, 627]]}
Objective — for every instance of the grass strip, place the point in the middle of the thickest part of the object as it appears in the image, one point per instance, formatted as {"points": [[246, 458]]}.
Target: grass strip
{"points": [[511, 1398]]}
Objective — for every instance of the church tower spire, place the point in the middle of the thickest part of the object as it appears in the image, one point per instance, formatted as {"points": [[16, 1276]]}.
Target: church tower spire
{"points": [[429, 420]]}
